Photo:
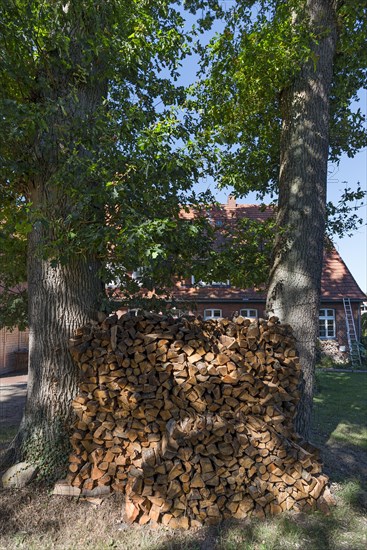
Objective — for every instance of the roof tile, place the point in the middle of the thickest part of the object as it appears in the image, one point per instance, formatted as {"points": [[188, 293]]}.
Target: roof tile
{"points": [[337, 281]]}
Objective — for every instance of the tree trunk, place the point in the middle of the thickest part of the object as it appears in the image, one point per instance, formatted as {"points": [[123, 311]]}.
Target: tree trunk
{"points": [[295, 277], [61, 299], [67, 296]]}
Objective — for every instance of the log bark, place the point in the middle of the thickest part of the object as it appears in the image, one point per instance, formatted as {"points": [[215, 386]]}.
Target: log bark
{"points": [[184, 450]]}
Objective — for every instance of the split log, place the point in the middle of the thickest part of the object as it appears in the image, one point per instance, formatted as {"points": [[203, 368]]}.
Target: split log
{"points": [[192, 420]]}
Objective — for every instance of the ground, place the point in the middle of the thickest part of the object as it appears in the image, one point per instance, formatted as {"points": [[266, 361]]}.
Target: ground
{"points": [[12, 398], [32, 518]]}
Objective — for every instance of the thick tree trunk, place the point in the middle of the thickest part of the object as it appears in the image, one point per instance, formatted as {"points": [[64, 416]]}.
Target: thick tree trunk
{"points": [[294, 289], [61, 299], [67, 296]]}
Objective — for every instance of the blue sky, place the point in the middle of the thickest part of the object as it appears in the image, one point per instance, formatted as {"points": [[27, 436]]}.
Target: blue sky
{"points": [[352, 249], [348, 173]]}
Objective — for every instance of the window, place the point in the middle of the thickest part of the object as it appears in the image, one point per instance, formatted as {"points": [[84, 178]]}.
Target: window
{"points": [[134, 312], [115, 274], [176, 313], [212, 314], [220, 283], [202, 283], [249, 313], [327, 323], [137, 275]]}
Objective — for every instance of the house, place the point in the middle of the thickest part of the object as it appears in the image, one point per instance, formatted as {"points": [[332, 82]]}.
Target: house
{"points": [[13, 344], [341, 297], [13, 350], [340, 307]]}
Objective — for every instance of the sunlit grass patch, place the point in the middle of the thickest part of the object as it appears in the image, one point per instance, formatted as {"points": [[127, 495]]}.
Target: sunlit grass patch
{"points": [[340, 408], [349, 433], [344, 529]]}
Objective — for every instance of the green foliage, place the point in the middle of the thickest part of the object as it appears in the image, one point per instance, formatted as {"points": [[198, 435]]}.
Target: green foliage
{"points": [[326, 362], [13, 234], [242, 253], [94, 148], [343, 217], [243, 74], [364, 324], [49, 454], [93, 120], [364, 330]]}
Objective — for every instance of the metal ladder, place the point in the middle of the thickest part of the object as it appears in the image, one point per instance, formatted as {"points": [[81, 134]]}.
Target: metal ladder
{"points": [[353, 343]]}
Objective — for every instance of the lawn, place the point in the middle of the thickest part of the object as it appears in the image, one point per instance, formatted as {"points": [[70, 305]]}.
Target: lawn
{"points": [[6, 434], [33, 519], [340, 409]]}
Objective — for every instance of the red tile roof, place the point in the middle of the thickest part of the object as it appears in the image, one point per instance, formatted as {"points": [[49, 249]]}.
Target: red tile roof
{"points": [[217, 293], [232, 211], [337, 281]]}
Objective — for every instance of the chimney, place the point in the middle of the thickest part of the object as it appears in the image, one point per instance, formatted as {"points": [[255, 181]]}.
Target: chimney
{"points": [[231, 201]]}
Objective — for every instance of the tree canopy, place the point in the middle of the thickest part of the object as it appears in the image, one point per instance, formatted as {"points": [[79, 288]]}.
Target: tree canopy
{"points": [[276, 93], [100, 147], [129, 156], [246, 67], [138, 145]]}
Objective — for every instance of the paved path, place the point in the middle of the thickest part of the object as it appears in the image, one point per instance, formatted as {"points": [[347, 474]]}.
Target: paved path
{"points": [[13, 390]]}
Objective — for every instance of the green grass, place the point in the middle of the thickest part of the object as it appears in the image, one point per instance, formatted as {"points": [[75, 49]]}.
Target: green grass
{"points": [[7, 434], [340, 409]]}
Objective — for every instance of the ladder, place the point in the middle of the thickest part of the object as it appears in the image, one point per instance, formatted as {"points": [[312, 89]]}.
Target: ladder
{"points": [[353, 343]]}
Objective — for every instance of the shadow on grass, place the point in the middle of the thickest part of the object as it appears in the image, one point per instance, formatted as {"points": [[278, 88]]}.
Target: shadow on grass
{"points": [[12, 401]]}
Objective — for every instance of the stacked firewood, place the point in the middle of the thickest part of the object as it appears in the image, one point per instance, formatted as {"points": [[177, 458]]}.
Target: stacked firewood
{"points": [[191, 419]]}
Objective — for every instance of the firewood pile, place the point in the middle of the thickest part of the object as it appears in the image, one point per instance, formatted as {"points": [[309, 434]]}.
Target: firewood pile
{"points": [[192, 419]]}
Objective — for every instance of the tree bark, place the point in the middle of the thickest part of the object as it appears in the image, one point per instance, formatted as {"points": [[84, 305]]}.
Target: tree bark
{"points": [[67, 296], [61, 300], [294, 289]]}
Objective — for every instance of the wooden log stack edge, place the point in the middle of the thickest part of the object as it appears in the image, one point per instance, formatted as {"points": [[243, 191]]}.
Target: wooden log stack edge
{"points": [[192, 420]]}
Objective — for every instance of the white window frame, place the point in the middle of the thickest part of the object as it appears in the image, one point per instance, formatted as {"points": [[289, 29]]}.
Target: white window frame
{"points": [[116, 282], [246, 312], [176, 313], [327, 323], [134, 312], [137, 275], [209, 313], [217, 284]]}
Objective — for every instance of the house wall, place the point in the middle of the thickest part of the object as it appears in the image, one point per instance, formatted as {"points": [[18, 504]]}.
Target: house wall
{"points": [[11, 342], [341, 328], [230, 309]]}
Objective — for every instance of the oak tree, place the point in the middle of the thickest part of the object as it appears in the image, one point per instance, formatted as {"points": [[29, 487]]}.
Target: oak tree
{"points": [[276, 94], [93, 176]]}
